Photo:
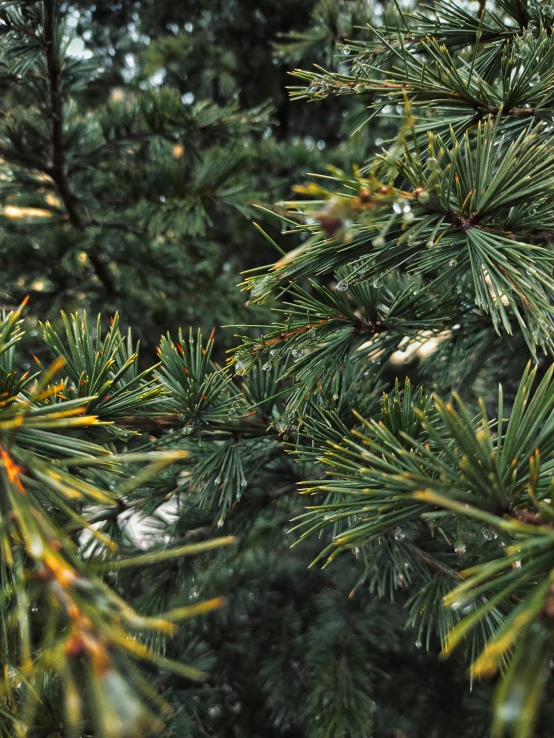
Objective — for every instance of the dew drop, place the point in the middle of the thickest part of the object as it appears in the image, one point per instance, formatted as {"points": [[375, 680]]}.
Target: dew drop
{"points": [[509, 710], [399, 534], [460, 605], [240, 368]]}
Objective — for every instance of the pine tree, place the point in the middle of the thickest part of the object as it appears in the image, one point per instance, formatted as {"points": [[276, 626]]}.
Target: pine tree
{"points": [[86, 447], [126, 175], [433, 260], [418, 281]]}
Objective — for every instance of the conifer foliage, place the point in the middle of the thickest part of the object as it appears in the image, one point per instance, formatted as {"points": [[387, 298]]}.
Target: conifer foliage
{"points": [[442, 240], [110, 201], [405, 387]]}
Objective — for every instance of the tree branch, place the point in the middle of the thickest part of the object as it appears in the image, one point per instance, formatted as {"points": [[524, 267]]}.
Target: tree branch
{"points": [[175, 421], [58, 169], [431, 561]]}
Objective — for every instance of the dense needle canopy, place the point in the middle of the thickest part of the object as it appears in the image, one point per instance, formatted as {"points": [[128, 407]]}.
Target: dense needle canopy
{"points": [[386, 410]]}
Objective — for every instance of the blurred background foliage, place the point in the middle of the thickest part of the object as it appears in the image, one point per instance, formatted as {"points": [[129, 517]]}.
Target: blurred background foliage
{"points": [[177, 122]]}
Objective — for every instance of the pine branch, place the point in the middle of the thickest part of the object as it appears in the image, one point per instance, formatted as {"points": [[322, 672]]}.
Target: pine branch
{"points": [[247, 428], [431, 561], [51, 11]]}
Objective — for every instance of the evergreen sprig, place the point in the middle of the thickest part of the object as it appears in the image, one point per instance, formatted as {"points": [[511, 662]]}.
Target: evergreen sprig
{"points": [[434, 259], [53, 473]]}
